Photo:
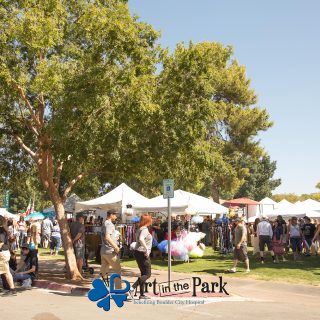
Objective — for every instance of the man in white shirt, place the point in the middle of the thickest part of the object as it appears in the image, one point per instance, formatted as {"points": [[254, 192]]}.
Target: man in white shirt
{"points": [[110, 249], [265, 233]]}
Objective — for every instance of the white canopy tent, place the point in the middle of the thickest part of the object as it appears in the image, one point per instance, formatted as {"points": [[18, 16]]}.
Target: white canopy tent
{"points": [[285, 202], [288, 209], [309, 204], [267, 206], [120, 199], [185, 202], [5, 213]]}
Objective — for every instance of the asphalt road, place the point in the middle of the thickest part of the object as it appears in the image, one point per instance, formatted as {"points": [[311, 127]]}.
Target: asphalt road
{"points": [[249, 299]]}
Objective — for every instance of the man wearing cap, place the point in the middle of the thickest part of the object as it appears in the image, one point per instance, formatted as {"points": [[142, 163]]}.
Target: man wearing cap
{"points": [[109, 248], [265, 234], [77, 230], [29, 269], [240, 243]]}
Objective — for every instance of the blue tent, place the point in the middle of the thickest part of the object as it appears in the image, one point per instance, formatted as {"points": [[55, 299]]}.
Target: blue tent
{"points": [[50, 214], [35, 216]]}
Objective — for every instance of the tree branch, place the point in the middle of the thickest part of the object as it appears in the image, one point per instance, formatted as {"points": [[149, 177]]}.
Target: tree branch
{"points": [[29, 106], [71, 184], [74, 181], [25, 147], [59, 171], [28, 123], [40, 111]]}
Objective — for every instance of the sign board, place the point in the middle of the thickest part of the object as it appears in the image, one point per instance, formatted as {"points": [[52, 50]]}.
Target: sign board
{"points": [[6, 200], [168, 188]]}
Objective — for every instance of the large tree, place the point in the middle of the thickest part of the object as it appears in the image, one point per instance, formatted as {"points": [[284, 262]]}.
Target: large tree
{"points": [[259, 183], [84, 89], [66, 67], [209, 119]]}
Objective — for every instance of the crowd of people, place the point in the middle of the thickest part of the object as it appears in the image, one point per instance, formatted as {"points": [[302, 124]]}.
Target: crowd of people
{"points": [[277, 236], [45, 233], [302, 236]]}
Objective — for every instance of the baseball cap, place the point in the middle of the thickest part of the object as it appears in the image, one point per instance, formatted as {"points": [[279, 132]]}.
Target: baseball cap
{"points": [[25, 245], [237, 220]]}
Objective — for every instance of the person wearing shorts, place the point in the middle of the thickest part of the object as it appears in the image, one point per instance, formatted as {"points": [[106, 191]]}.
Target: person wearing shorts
{"points": [[110, 248], [240, 242], [77, 230], [46, 232], [265, 234], [5, 274], [295, 237], [55, 242]]}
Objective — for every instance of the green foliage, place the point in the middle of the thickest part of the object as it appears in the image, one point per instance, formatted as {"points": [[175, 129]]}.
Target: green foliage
{"points": [[207, 120], [292, 197], [79, 85], [318, 185], [259, 183], [83, 69]]}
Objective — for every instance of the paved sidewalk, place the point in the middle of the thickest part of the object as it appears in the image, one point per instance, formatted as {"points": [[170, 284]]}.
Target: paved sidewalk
{"points": [[52, 276], [248, 300]]}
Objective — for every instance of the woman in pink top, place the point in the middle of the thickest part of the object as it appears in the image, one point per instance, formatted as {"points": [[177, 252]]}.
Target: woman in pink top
{"points": [[21, 231]]}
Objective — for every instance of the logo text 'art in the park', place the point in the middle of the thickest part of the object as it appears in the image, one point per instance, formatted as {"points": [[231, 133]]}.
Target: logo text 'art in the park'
{"points": [[191, 287], [103, 294]]}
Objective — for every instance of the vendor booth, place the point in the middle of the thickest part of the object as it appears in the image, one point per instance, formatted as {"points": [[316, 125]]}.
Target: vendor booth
{"points": [[251, 208], [121, 198], [184, 202]]}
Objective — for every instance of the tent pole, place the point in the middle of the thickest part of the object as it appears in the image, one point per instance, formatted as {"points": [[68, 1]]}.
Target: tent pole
{"points": [[169, 241]]}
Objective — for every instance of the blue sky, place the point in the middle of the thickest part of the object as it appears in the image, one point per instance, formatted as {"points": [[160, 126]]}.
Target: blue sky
{"points": [[279, 43]]}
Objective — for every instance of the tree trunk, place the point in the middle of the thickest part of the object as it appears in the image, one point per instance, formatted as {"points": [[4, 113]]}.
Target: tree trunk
{"points": [[70, 259], [215, 194]]}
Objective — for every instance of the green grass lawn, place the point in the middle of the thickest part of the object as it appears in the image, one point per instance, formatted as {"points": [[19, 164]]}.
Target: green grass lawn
{"points": [[45, 255], [305, 271]]}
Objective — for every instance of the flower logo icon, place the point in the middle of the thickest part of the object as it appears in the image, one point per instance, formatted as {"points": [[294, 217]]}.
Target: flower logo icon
{"points": [[103, 294]]}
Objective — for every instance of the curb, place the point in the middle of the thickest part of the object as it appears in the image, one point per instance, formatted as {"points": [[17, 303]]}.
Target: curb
{"points": [[66, 288]]}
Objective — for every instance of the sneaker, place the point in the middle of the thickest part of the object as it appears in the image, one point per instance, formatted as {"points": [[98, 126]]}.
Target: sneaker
{"points": [[129, 298], [233, 270], [132, 292], [248, 270], [27, 283], [9, 293], [144, 297]]}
